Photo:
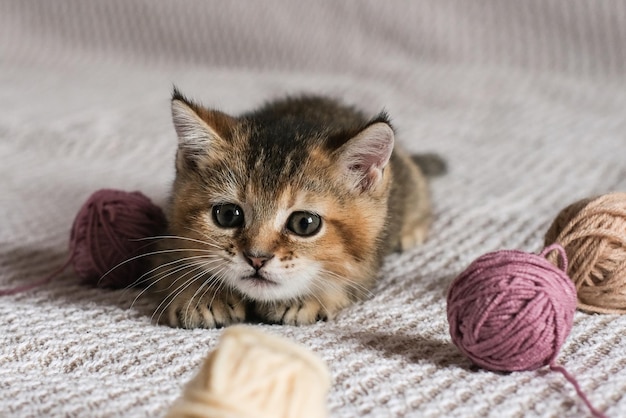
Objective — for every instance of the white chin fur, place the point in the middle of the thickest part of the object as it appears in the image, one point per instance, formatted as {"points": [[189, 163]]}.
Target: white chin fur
{"points": [[282, 286]]}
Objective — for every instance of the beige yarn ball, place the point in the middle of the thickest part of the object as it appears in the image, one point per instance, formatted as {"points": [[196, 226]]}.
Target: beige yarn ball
{"points": [[593, 233], [255, 375]]}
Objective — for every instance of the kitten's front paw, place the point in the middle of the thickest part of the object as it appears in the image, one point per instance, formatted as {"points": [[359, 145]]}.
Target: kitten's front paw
{"points": [[413, 238], [208, 311], [295, 313]]}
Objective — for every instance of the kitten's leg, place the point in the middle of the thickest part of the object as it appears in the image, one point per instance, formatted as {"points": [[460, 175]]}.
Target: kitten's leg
{"points": [[188, 297], [415, 230], [418, 215], [293, 313], [304, 311], [193, 308], [417, 212]]}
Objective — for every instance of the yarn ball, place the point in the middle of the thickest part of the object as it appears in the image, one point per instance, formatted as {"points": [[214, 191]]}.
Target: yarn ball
{"points": [[252, 374], [511, 310], [593, 233], [106, 239]]}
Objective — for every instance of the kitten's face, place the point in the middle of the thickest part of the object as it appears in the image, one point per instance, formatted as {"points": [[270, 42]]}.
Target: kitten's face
{"points": [[275, 218]]}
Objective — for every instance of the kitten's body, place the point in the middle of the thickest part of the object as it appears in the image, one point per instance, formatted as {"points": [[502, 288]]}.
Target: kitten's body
{"points": [[285, 212]]}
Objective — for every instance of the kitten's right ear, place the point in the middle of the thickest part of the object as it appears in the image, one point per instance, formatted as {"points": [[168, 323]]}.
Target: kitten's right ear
{"points": [[364, 157], [200, 131]]}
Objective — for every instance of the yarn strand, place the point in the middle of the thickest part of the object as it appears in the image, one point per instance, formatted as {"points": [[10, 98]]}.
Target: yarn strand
{"points": [[105, 236], [38, 283], [555, 367]]}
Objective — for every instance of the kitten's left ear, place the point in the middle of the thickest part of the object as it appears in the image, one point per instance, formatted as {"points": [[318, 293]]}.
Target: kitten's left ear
{"points": [[201, 131], [363, 158]]}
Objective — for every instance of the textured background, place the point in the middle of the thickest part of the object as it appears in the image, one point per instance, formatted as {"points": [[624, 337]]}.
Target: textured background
{"points": [[525, 100]]}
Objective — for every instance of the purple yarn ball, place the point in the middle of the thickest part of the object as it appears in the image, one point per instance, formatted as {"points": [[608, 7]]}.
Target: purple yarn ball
{"points": [[107, 236], [511, 310]]}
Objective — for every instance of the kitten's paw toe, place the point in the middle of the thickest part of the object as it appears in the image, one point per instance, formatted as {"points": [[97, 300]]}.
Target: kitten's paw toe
{"points": [[214, 313], [410, 241], [413, 237], [297, 313], [223, 313]]}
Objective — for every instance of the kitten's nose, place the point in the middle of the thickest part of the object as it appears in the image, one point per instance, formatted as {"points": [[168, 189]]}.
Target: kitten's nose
{"points": [[257, 260]]}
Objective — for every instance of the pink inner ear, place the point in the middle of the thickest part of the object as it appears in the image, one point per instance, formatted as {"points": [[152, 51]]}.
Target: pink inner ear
{"points": [[369, 178], [369, 161], [368, 153]]}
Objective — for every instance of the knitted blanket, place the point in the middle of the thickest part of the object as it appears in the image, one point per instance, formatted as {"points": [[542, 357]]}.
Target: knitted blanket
{"points": [[525, 101]]}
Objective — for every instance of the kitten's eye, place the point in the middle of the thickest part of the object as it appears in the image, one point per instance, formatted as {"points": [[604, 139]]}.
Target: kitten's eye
{"points": [[304, 224], [228, 215]]}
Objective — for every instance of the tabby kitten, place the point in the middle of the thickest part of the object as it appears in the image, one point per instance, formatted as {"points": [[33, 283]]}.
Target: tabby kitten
{"points": [[284, 213]]}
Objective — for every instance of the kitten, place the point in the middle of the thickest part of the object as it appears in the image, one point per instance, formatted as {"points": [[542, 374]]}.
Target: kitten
{"points": [[284, 213]]}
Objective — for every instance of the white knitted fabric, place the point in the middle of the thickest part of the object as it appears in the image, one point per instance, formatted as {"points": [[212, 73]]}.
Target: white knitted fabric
{"points": [[525, 100]]}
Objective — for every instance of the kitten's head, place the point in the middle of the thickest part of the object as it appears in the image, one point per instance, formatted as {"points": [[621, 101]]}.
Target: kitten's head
{"points": [[285, 202]]}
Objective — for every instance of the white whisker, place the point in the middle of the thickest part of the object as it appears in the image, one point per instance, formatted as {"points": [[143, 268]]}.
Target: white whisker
{"points": [[180, 237], [169, 272], [344, 280], [152, 253], [207, 282], [173, 295], [149, 276]]}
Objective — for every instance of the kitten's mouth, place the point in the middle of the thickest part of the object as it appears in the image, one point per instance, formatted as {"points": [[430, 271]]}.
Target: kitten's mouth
{"points": [[256, 278]]}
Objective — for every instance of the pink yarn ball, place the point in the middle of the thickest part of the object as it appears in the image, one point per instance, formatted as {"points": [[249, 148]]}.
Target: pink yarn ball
{"points": [[108, 232], [511, 310]]}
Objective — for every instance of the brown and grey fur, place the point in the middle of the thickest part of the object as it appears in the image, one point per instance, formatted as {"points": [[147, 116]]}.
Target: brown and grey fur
{"points": [[306, 153]]}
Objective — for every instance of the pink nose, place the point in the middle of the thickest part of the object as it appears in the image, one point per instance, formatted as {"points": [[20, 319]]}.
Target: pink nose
{"points": [[257, 260]]}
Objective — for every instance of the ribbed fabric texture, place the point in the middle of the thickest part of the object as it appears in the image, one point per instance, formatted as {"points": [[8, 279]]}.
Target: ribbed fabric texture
{"points": [[579, 36], [525, 101]]}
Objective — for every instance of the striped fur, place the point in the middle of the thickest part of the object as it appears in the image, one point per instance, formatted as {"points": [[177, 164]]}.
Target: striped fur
{"points": [[304, 154]]}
